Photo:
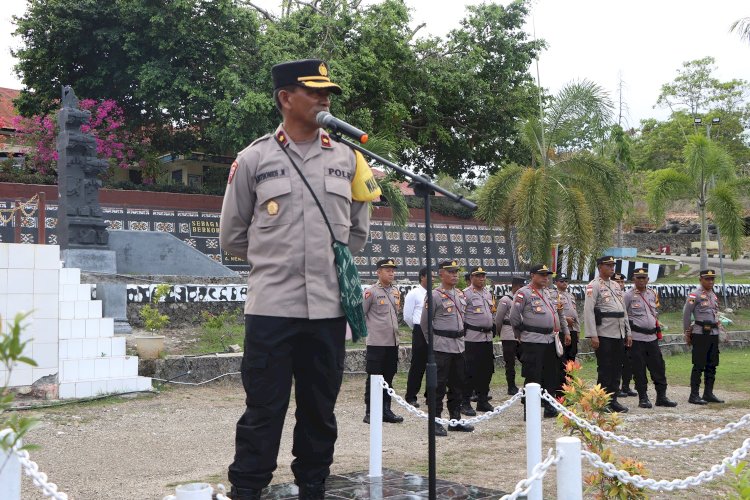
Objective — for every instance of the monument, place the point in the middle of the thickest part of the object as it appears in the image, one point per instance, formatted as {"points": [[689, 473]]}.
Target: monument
{"points": [[81, 229]]}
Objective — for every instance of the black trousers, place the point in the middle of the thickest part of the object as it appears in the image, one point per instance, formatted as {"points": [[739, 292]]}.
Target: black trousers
{"points": [[569, 351], [609, 364], [511, 351], [541, 365], [627, 368], [647, 355], [418, 363], [278, 350], [451, 370], [705, 358], [480, 365], [380, 360]]}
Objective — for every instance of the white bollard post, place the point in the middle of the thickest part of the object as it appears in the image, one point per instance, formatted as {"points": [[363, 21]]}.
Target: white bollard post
{"points": [[569, 479], [533, 436], [10, 476], [376, 426]]}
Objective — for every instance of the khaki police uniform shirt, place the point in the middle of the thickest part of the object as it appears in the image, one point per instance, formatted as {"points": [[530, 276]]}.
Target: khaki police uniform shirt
{"points": [[449, 307], [270, 218], [703, 305], [381, 305], [504, 305], [607, 296], [641, 308], [480, 306], [532, 307], [568, 302]]}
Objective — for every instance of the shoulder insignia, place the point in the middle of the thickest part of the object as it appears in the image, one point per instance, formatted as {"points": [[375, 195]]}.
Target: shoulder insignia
{"points": [[325, 141], [232, 171], [692, 295], [691, 300], [367, 294], [281, 136]]}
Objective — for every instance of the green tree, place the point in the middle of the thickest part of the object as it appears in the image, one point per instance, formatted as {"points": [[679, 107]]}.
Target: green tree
{"points": [[708, 177], [568, 195]]}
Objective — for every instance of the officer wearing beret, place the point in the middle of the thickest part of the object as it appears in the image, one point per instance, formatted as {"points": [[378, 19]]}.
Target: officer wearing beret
{"points": [[627, 370], [607, 326], [511, 345], [480, 357], [448, 311], [381, 304], [536, 321], [294, 322], [641, 304], [702, 305]]}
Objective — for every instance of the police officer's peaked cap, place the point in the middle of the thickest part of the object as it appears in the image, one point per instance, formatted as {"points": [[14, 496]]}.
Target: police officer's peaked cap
{"points": [[640, 271], [477, 270], [619, 277], [449, 265], [386, 263], [708, 273], [541, 269], [607, 259], [517, 282], [561, 277], [311, 73]]}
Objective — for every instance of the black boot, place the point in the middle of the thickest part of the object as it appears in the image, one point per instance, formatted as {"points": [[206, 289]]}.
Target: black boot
{"points": [[643, 401], [466, 408], [483, 404], [459, 428], [708, 392], [695, 398], [550, 412], [244, 494], [367, 415], [440, 430], [615, 406], [312, 491], [662, 399], [389, 416], [512, 390], [628, 391]]}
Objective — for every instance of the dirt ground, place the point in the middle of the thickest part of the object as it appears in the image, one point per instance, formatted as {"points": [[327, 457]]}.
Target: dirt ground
{"points": [[141, 447]]}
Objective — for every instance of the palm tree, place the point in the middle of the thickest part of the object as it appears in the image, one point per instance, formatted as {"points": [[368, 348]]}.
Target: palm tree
{"points": [[708, 177], [568, 195], [389, 185], [742, 26]]}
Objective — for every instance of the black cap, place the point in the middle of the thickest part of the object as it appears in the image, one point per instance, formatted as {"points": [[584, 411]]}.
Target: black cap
{"points": [[517, 282], [477, 270], [450, 265], [386, 263], [607, 259], [540, 269], [561, 277], [708, 273], [619, 277], [640, 271], [311, 73]]}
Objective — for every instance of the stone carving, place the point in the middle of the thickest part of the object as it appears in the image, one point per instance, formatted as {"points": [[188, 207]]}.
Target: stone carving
{"points": [[81, 222]]}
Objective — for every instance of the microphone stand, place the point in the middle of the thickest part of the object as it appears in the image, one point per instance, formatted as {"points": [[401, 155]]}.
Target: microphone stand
{"points": [[423, 187]]}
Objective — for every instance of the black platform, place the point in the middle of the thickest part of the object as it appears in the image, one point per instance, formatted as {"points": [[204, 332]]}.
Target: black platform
{"points": [[393, 485]]}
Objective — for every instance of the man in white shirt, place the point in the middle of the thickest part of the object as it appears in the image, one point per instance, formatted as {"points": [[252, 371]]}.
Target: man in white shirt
{"points": [[413, 304]]}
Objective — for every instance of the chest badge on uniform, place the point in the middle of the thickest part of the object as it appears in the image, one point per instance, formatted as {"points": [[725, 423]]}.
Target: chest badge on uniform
{"points": [[449, 309], [479, 309], [272, 207]]}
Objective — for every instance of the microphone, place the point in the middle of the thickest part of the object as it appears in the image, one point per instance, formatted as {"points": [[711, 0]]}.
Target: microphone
{"points": [[327, 120]]}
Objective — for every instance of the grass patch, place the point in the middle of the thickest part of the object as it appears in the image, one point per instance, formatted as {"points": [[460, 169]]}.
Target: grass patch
{"points": [[684, 276], [732, 374], [213, 340], [673, 321]]}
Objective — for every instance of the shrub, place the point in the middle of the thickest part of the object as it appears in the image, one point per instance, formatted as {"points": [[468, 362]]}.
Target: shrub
{"points": [[153, 320], [589, 403]]}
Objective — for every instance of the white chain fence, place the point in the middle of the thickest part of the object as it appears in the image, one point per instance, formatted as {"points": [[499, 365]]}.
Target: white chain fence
{"points": [[664, 485], [523, 487], [648, 443], [453, 421], [39, 478]]}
